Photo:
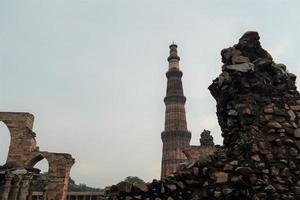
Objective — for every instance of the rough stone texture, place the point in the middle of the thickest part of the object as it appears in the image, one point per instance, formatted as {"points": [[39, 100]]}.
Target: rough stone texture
{"points": [[204, 151], [175, 137], [260, 156], [17, 174]]}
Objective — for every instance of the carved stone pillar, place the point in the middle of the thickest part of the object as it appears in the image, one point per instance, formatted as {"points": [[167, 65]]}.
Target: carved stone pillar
{"points": [[25, 188], [15, 188], [58, 177], [7, 186]]}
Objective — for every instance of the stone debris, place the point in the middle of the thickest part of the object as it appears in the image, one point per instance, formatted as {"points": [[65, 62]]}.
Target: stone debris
{"points": [[19, 171], [245, 67], [258, 109]]}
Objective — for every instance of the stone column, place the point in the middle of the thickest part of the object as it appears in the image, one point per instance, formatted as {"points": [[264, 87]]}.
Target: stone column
{"points": [[25, 188], [7, 186], [16, 187], [58, 177]]}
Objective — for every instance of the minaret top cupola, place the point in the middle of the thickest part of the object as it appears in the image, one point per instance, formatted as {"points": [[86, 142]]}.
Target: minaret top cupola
{"points": [[173, 59]]}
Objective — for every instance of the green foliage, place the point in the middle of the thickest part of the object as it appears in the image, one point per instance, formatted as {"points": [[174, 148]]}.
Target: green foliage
{"points": [[243, 143], [40, 182], [280, 67], [260, 182], [222, 152], [73, 187], [133, 179]]}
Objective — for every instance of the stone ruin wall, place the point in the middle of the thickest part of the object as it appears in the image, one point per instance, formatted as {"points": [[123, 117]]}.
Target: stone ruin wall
{"points": [[18, 175], [258, 109]]}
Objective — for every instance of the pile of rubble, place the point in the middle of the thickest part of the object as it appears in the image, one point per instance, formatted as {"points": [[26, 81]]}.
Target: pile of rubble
{"points": [[258, 109]]}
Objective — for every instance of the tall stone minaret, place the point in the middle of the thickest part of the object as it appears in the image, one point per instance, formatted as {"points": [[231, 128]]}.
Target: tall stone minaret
{"points": [[176, 136]]}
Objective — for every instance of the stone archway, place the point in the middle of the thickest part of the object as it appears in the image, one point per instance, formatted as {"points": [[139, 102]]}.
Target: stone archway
{"points": [[56, 186], [22, 142], [36, 159], [40, 166], [24, 154], [5, 142]]}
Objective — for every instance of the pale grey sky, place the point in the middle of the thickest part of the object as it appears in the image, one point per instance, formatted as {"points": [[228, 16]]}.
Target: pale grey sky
{"points": [[93, 72]]}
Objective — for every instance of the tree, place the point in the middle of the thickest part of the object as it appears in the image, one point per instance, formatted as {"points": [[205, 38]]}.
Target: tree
{"points": [[73, 187], [133, 179]]}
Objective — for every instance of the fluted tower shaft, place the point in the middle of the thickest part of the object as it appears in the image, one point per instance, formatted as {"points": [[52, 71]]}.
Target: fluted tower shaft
{"points": [[176, 136]]}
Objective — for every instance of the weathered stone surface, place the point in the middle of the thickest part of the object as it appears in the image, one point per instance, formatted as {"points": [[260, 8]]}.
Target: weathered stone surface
{"points": [[245, 67], [297, 133], [125, 187], [141, 186], [221, 177], [292, 115], [240, 60], [19, 171], [274, 124]]}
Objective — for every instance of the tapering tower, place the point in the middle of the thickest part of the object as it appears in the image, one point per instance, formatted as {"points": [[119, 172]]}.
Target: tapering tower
{"points": [[176, 136]]}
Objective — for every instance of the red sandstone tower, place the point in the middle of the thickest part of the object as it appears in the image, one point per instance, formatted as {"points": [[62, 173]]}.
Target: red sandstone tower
{"points": [[175, 137]]}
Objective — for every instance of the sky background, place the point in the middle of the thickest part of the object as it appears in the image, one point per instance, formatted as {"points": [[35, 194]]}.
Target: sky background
{"points": [[93, 72]]}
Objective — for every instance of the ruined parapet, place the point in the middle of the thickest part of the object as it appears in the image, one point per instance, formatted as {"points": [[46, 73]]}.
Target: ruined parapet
{"points": [[18, 173], [204, 151], [258, 109], [258, 106]]}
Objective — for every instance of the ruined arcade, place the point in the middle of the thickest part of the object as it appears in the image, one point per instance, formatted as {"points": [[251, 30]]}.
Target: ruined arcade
{"points": [[18, 174]]}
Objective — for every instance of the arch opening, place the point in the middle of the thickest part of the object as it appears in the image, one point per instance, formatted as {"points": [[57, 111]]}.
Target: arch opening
{"points": [[5, 142], [42, 165]]}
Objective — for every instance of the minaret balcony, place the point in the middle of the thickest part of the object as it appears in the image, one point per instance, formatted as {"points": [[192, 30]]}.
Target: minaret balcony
{"points": [[174, 98]]}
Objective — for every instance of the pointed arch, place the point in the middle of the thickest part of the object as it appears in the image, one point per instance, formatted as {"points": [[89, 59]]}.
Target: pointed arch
{"points": [[40, 162], [35, 160]]}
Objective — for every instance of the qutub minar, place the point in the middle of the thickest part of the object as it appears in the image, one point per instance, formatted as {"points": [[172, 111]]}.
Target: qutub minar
{"points": [[176, 136]]}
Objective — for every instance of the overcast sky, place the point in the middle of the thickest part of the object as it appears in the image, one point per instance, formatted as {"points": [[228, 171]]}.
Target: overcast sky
{"points": [[93, 72]]}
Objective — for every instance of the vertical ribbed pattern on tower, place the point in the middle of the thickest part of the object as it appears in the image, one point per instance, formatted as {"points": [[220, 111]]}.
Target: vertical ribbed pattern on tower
{"points": [[176, 136]]}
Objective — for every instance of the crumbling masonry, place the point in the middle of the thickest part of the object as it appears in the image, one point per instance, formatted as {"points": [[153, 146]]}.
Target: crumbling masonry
{"points": [[17, 175], [258, 109]]}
